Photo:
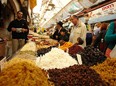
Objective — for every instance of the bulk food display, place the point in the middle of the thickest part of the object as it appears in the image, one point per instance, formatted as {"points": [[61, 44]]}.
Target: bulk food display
{"points": [[56, 58], [21, 72], [76, 75], [41, 62], [107, 71], [92, 56]]}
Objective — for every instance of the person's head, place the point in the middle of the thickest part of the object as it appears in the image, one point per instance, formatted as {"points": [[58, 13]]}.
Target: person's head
{"points": [[19, 14], [103, 26], [80, 41], [98, 24], [74, 19], [59, 25], [63, 32]]}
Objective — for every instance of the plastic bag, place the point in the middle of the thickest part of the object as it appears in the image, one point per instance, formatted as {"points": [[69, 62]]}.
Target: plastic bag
{"points": [[113, 52]]}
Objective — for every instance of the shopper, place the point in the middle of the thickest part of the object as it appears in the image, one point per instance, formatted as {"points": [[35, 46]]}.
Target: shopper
{"points": [[100, 41], [110, 38], [78, 30], [57, 33], [19, 30], [64, 35], [96, 31]]}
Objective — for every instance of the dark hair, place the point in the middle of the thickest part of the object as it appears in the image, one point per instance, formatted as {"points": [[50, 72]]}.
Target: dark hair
{"points": [[19, 11], [80, 41], [63, 30], [60, 23]]}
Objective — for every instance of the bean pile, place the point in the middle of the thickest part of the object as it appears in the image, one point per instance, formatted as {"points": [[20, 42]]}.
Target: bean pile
{"points": [[21, 72], [107, 71], [43, 51], [92, 56], [77, 75]]}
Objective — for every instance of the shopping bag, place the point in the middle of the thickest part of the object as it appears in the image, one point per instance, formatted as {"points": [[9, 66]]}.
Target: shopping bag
{"points": [[113, 52]]}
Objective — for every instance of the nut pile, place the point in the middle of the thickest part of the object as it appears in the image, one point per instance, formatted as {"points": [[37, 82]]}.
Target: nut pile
{"points": [[76, 76], [107, 71]]}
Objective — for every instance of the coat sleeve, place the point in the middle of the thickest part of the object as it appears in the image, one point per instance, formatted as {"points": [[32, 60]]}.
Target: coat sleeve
{"points": [[110, 36]]}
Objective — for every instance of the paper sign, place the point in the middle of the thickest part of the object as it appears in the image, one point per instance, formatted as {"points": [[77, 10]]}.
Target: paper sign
{"points": [[79, 59]]}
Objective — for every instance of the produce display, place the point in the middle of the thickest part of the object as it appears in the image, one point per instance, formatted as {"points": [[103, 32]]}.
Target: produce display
{"points": [[30, 46], [56, 58], [73, 50], [107, 71], [66, 45], [43, 51], [25, 56], [27, 52], [77, 75], [45, 43], [21, 72], [92, 56]]}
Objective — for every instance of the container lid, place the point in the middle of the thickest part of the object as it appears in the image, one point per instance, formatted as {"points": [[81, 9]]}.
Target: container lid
{"points": [[1, 39]]}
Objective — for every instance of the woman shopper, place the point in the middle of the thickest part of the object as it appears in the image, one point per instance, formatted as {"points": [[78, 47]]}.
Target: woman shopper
{"points": [[100, 41], [110, 38]]}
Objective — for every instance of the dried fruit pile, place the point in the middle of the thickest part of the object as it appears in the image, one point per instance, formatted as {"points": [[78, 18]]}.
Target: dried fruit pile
{"points": [[92, 56], [107, 71], [21, 72], [43, 51], [66, 45], [76, 76], [73, 50]]}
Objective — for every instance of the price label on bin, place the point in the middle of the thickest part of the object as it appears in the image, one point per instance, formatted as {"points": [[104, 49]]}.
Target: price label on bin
{"points": [[79, 59]]}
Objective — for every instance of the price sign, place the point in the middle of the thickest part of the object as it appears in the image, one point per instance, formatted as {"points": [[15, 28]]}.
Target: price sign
{"points": [[79, 59]]}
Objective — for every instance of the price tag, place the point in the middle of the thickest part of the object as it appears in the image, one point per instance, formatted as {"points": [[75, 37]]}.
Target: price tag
{"points": [[79, 59]]}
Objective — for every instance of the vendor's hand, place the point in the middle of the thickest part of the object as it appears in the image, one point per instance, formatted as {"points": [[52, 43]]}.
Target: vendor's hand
{"points": [[13, 29], [24, 30], [56, 37]]}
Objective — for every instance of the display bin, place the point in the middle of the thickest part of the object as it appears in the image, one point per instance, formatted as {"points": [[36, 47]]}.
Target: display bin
{"points": [[2, 47]]}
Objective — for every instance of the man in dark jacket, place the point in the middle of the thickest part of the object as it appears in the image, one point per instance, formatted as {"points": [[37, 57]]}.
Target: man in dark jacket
{"points": [[57, 33], [19, 30]]}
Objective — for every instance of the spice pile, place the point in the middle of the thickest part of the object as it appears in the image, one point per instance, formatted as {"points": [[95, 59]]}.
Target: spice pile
{"points": [[92, 56], [76, 76], [56, 58], [107, 71], [21, 72]]}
